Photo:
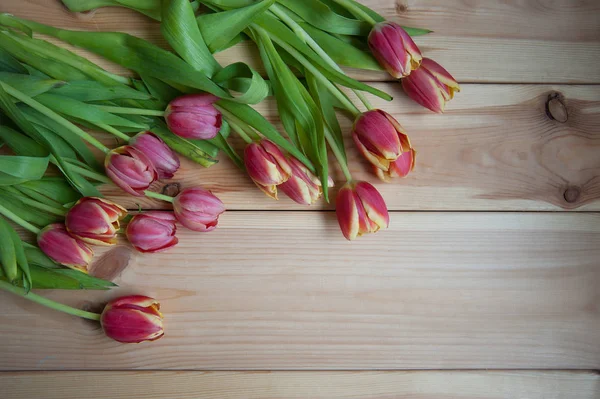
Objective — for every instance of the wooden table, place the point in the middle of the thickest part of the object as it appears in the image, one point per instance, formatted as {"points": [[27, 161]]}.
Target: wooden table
{"points": [[491, 264]]}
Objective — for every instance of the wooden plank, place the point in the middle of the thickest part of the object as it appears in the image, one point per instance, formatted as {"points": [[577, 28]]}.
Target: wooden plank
{"points": [[495, 149], [478, 41], [301, 385], [436, 291]]}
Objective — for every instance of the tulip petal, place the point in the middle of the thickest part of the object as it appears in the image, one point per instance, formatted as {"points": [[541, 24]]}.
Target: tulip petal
{"points": [[131, 325], [374, 205], [347, 213]]}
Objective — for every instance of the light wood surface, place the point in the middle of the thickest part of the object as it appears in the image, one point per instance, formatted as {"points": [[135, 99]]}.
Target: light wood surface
{"points": [[302, 385], [277, 288], [478, 41], [283, 290], [495, 149]]}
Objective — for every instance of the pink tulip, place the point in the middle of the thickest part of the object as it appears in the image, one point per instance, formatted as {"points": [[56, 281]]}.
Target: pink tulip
{"points": [[401, 167], [198, 209], [95, 221], [431, 86], [380, 138], [267, 166], [132, 319], [130, 169], [194, 116], [152, 232], [361, 210], [394, 49], [58, 245], [163, 158], [303, 187]]}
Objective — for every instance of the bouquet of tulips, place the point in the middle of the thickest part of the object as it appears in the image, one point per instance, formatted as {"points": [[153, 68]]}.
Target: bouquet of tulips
{"points": [[185, 102]]}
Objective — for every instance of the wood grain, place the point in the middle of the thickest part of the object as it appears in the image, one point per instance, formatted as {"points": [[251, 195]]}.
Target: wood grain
{"points": [[499, 147], [438, 290], [478, 41], [301, 385]]}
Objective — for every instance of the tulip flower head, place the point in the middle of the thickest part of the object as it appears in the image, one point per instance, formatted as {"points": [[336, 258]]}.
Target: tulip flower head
{"points": [[130, 169], [163, 158], [194, 116], [394, 49], [61, 247], [152, 232], [95, 221], [132, 319], [198, 209], [360, 210], [303, 187], [267, 166], [431, 86]]}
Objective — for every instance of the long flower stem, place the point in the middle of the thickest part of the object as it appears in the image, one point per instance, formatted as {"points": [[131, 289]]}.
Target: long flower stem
{"points": [[338, 154], [54, 116], [240, 131], [130, 111], [18, 220], [90, 173], [354, 9], [113, 131], [305, 37], [236, 124], [48, 302], [162, 197]]}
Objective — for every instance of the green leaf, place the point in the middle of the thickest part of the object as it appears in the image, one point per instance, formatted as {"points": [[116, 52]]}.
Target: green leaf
{"points": [[221, 28], [21, 144], [181, 31], [321, 16], [26, 212], [30, 85], [375, 16], [8, 256], [342, 52], [222, 144], [150, 8], [66, 279], [53, 188], [241, 78], [191, 149], [135, 54], [21, 259], [15, 169], [36, 257], [8, 63], [88, 90], [160, 90]]}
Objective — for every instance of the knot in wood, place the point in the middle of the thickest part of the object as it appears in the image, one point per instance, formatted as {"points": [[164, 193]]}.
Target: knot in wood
{"points": [[555, 108], [572, 194], [171, 189], [401, 7]]}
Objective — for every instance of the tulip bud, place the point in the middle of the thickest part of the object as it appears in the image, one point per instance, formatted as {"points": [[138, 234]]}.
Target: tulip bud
{"points": [[303, 187], [194, 116], [163, 158], [431, 86], [401, 167], [152, 232], [267, 166], [361, 210], [95, 221], [198, 209], [132, 319], [394, 49], [130, 169], [58, 245]]}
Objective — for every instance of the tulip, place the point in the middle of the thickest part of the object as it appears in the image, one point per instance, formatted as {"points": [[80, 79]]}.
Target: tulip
{"points": [[394, 49], [130, 169], [198, 209], [55, 241], [303, 187], [267, 166], [379, 137], [132, 319], [361, 210], [431, 86], [401, 167], [194, 116], [95, 221], [152, 232], [163, 158]]}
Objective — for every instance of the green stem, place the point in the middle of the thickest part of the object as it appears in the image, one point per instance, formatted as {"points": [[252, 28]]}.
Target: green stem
{"points": [[54, 116], [338, 154], [306, 38], [236, 124], [130, 111], [48, 302], [318, 75], [90, 173], [36, 204], [162, 197], [113, 131], [15, 218], [354, 9]]}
